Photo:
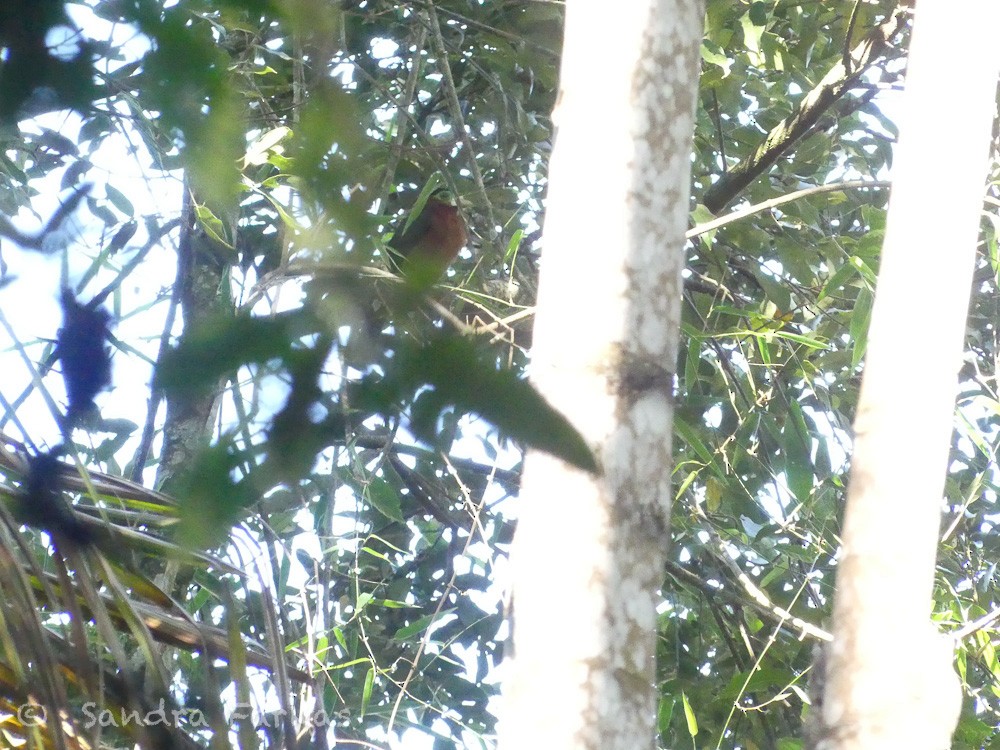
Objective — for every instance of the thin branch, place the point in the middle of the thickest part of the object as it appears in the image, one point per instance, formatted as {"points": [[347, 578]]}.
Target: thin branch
{"points": [[455, 111], [36, 240], [513, 38], [425, 640], [402, 120], [156, 394], [976, 625], [846, 61], [775, 202], [834, 85], [758, 598]]}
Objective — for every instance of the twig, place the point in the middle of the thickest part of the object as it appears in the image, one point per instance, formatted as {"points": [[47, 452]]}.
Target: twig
{"points": [[513, 38], [834, 85], [775, 202], [758, 598], [455, 111], [976, 625], [847, 37], [448, 588], [156, 394], [35, 240], [402, 120]]}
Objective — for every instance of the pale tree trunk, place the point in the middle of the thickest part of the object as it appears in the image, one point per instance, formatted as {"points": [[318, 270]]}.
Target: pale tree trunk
{"points": [[589, 551], [890, 682]]}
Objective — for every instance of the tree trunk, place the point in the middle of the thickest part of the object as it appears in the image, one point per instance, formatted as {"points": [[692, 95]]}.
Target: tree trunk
{"points": [[202, 280], [589, 552], [890, 681]]}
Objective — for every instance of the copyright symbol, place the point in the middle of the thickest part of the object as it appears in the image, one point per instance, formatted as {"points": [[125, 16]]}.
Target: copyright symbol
{"points": [[31, 714]]}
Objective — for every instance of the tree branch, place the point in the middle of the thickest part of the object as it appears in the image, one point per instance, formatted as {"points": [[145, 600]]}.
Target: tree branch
{"points": [[837, 82]]}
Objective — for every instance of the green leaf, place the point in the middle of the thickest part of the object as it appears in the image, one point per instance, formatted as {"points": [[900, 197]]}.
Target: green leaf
{"points": [[468, 377], [690, 436], [776, 289], [211, 499], [860, 321], [689, 717], [840, 277], [713, 55], [796, 446], [212, 225], [220, 345], [384, 498], [512, 247], [119, 201], [338, 633], [665, 713], [258, 151], [407, 632], [366, 693]]}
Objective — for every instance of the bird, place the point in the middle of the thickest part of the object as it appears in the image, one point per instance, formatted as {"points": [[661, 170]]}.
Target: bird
{"points": [[42, 503], [81, 346], [426, 243]]}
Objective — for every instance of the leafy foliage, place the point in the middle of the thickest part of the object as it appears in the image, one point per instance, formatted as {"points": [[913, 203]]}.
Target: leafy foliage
{"points": [[372, 505]]}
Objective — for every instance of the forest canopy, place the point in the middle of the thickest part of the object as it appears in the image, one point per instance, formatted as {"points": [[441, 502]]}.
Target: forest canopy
{"points": [[300, 487]]}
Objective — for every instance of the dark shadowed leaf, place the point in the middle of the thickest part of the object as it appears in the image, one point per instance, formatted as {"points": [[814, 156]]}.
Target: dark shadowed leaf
{"points": [[212, 499], [219, 346], [467, 376]]}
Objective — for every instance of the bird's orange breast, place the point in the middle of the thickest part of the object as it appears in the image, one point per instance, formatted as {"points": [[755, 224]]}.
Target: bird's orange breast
{"points": [[429, 245], [446, 235]]}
